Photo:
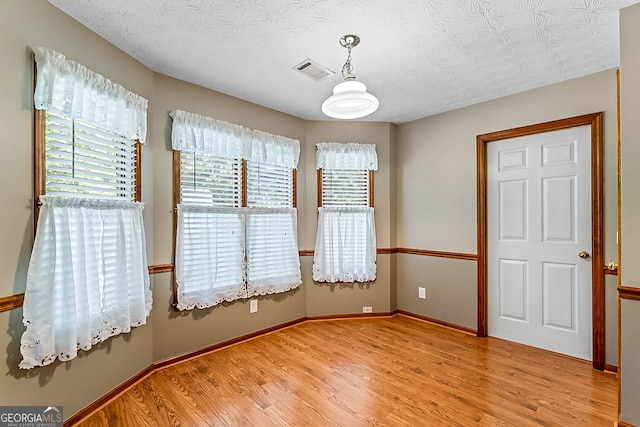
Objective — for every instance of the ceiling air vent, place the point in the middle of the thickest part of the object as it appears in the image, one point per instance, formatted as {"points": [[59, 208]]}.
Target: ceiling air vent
{"points": [[313, 70]]}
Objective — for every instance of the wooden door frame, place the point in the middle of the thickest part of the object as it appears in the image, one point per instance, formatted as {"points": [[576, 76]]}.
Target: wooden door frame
{"points": [[597, 220]]}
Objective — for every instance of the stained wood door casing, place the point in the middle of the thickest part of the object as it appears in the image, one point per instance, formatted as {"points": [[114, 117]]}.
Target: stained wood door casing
{"points": [[597, 225]]}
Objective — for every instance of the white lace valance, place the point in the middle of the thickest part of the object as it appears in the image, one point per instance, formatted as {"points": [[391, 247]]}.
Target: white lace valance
{"points": [[203, 134], [192, 132], [69, 88], [273, 149], [334, 155]]}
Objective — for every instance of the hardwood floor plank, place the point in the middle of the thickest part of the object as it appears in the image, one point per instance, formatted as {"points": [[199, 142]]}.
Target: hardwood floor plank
{"points": [[489, 420], [300, 408], [369, 372]]}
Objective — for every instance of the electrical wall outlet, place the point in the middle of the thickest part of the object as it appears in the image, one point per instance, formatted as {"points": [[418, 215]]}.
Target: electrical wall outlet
{"points": [[368, 309], [253, 306], [422, 292]]}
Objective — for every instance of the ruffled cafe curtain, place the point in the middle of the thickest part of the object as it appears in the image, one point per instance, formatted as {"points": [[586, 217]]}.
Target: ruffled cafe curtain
{"points": [[345, 245], [210, 248], [345, 248], [273, 260], [88, 278], [261, 255]]}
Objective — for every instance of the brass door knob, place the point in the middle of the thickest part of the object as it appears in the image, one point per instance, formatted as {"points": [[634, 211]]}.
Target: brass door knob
{"points": [[584, 254], [613, 266]]}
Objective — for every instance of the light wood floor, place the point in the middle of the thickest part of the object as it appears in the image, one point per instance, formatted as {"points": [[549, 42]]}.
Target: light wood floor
{"points": [[379, 371]]}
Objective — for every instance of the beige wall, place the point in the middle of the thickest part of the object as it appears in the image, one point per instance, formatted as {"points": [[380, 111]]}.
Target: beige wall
{"points": [[630, 371], [630, 143], [630, 210], [326, 299], [436, 197]]}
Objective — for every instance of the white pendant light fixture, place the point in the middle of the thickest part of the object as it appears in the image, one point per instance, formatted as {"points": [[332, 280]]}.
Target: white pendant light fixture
{"points": [[350, 99]]}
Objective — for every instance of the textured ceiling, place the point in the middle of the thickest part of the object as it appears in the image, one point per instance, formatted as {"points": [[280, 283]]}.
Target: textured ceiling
{"points": [[419, 57]]}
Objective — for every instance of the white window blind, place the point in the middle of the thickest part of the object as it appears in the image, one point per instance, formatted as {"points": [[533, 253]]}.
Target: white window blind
{"points": [[210, 180], [88, 277], [269, 185], [224, 250], [346, 241], [82, 160], [345, 187]]}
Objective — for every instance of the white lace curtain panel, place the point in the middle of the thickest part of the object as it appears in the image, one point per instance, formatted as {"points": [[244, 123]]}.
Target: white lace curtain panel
{"points": [[87, 280], [210, 266], [225, 254], [71, 89], [273, 259], [345, 245]]}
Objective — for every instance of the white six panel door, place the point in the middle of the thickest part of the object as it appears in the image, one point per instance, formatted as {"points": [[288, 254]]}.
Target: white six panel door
{"points": [[539, 220]]}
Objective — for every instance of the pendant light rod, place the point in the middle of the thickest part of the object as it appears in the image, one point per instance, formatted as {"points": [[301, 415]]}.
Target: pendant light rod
{"points": [[349, 41]]}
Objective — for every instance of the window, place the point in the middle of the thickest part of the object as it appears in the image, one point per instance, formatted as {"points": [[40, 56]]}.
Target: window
{"points": [[345, 243], [273, 262], [351, 187], [269, 185], [210, 233], [236, 231], [88, 278], [210, 180], [84, 160]]}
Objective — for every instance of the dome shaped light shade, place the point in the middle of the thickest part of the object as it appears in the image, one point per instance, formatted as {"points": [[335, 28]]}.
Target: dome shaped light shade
{"points": [[350, 100]]}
